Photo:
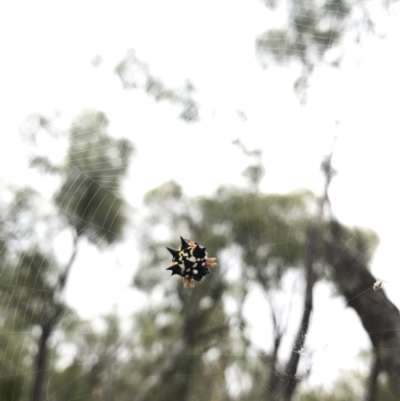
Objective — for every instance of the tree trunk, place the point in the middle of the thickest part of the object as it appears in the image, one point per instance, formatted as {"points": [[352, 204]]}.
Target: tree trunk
{"points": [[188, 339], [49, 322], [282, 384], [41, 362], [379, 316], [372, 384]]}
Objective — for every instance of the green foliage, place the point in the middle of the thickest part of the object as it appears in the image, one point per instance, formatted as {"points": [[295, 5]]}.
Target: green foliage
{"points": [[159, 330], [97, 369], [44, 165], [196, 315], [12, 386], [304, 38], [384, 391], [29, 283], [135, 74], [343, 390], [89, 196], [313, 28], [22, 287], [73, 382], [349, 386], [31, 278], [171, 208], [168, 192], [269, 234], [362, 239], [22, 212], [271, 230]]}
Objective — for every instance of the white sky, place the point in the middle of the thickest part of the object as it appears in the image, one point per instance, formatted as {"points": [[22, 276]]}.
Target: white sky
{"points": [[47, 48]]}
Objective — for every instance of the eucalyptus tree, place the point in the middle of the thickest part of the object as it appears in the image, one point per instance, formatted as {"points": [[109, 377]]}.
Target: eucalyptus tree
{"points": [[87, 205]]}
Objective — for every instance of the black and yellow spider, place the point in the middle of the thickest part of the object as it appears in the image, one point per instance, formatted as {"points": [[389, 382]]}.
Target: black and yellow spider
{"points": [[191, 262]]}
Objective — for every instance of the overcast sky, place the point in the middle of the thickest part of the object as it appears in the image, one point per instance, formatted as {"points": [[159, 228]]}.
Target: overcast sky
{"points": [[47, 50]]}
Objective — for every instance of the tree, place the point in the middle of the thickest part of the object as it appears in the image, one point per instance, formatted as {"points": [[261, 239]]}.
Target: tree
{"points": [[26, 289], [196, 320], [270, 235], [313, 34], [349, 386], [99, 366], [379, 316], [89, 206], [136, 74], [12, 334]]}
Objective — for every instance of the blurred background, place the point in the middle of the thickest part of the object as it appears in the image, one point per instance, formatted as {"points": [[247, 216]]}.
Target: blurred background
{"points": [[265, 130]]}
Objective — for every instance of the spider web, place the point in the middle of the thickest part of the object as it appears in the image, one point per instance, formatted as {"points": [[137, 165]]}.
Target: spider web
{"points": [[238, 100]]}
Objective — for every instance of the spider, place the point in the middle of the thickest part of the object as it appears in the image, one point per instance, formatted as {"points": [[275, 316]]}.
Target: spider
{"points": [[191, 262], [378, 284]]}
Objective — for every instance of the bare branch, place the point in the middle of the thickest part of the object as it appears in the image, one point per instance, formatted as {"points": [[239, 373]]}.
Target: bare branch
{"points": [[283, 384]]}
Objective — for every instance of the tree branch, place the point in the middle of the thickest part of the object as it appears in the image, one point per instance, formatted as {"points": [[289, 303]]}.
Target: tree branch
{"points": [[379, 316], [372, 385], [49, 321], [62, 279], [293, 363], [283, 384]]}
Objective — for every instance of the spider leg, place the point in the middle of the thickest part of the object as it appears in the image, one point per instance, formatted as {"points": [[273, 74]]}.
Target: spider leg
{"points": [[211, 262], [188, 282]]}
